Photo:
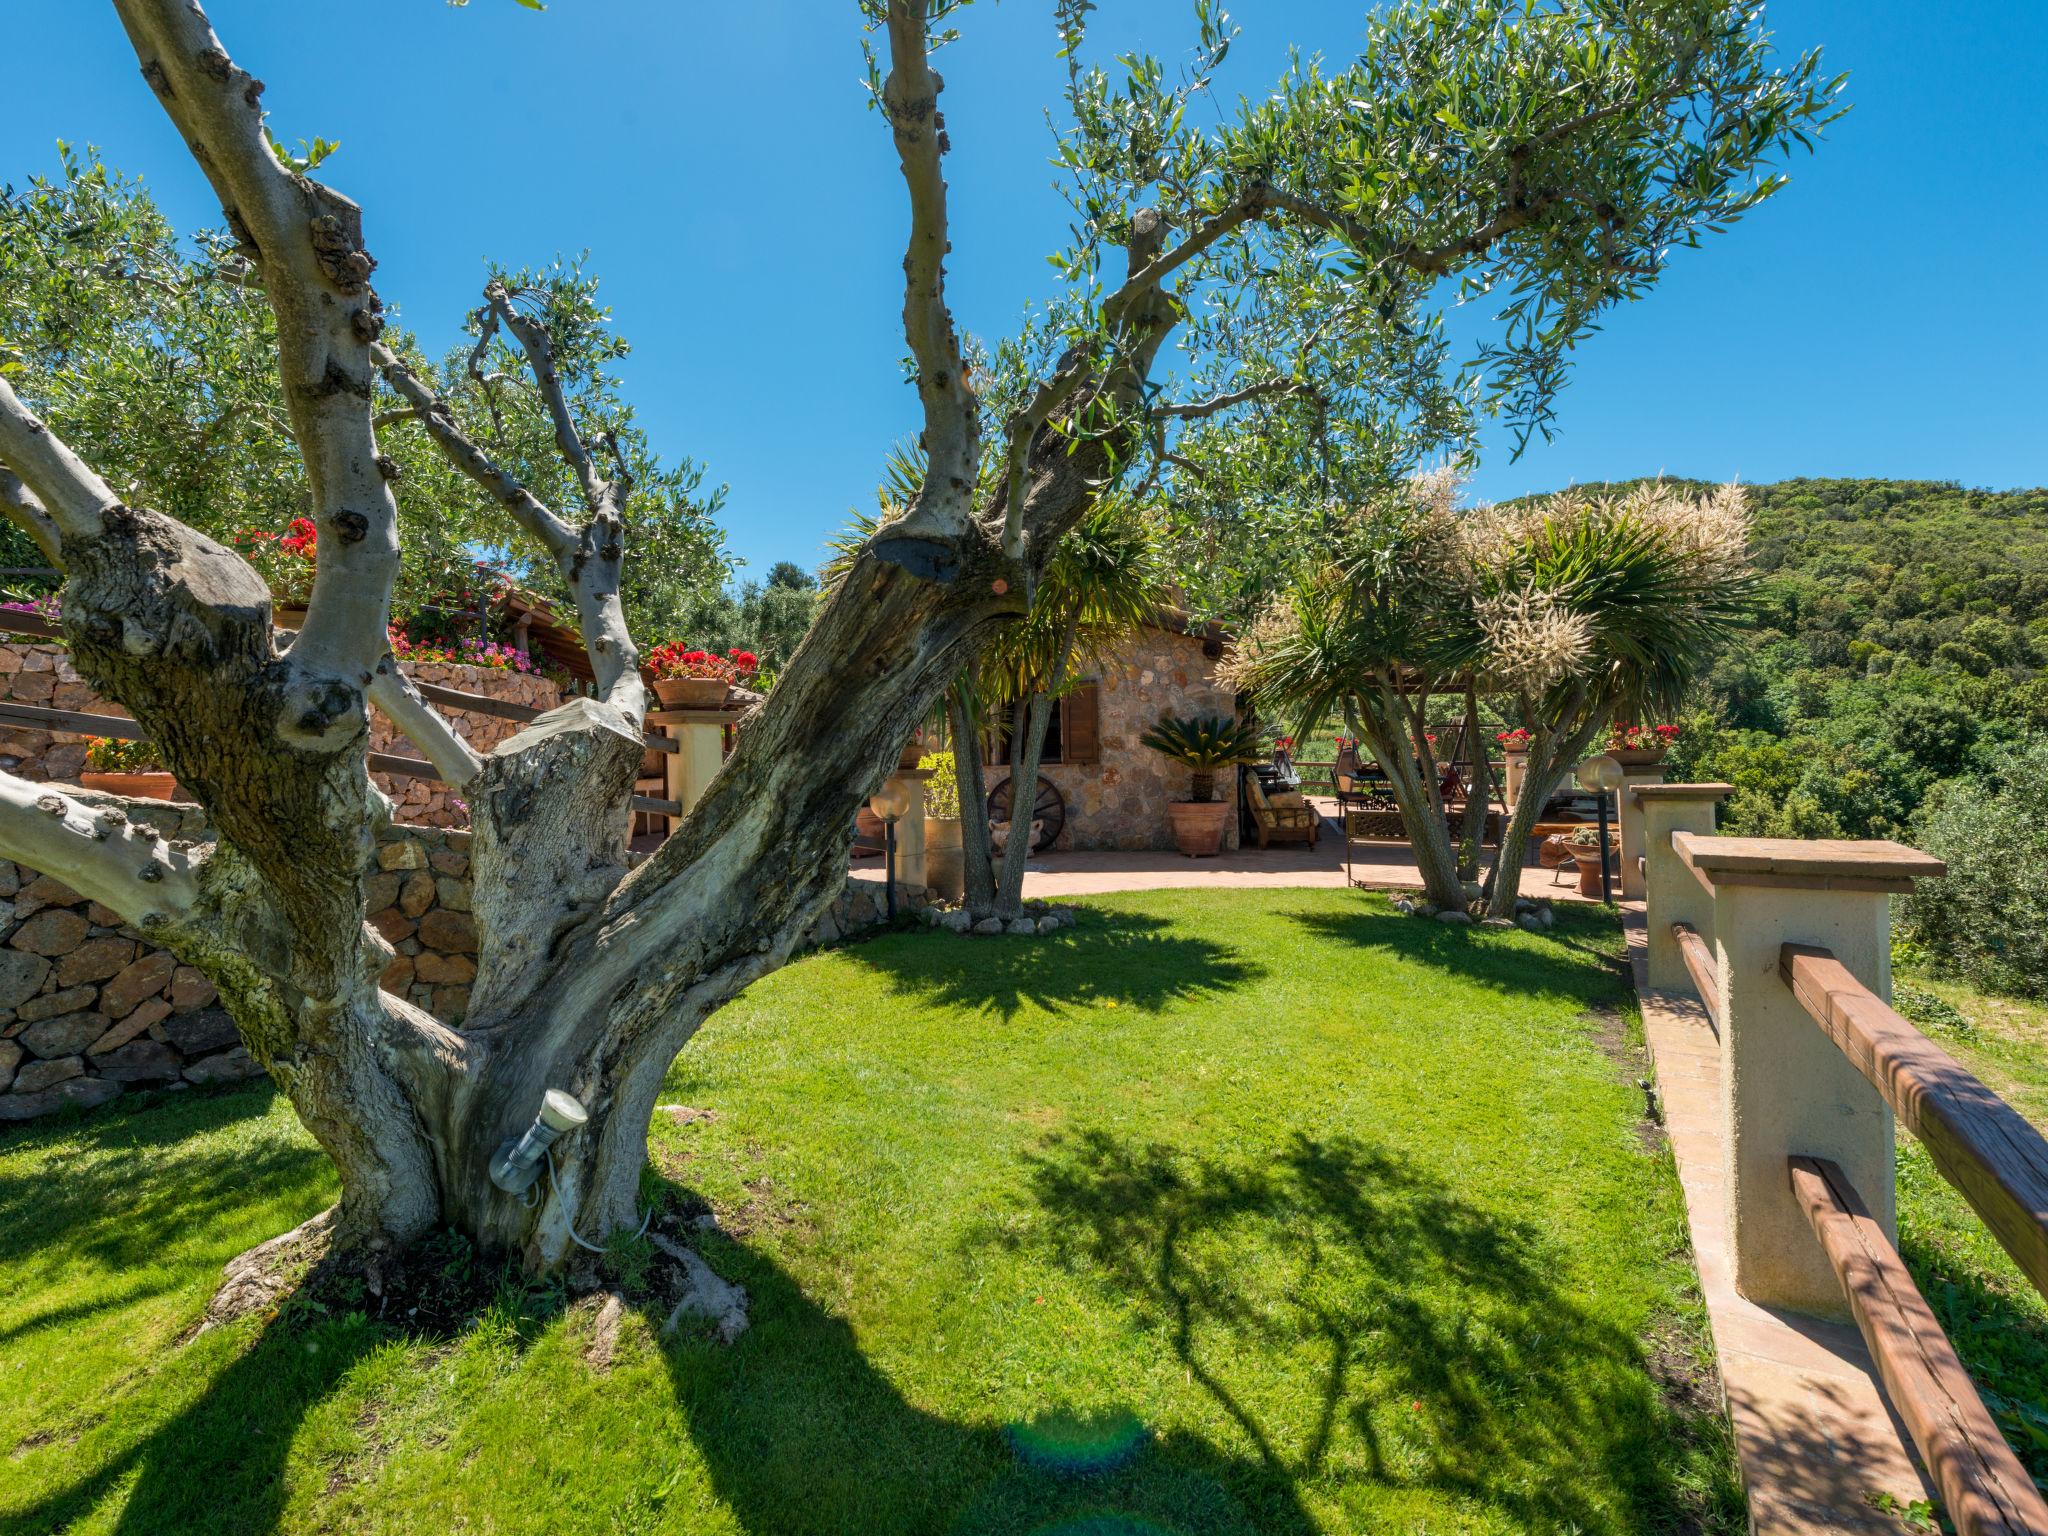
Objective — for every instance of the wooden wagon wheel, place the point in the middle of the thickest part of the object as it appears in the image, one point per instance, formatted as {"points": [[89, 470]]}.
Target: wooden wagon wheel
{"points": [[1049, 809]]}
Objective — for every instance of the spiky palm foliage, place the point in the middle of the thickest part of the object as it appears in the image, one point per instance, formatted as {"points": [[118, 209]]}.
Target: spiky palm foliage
{"points": [[1595, 607], [1567, 612], [1205, 745]]}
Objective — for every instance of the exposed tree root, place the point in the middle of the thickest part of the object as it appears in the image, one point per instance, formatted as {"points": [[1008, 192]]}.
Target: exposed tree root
{"points": [[257, 1280]]}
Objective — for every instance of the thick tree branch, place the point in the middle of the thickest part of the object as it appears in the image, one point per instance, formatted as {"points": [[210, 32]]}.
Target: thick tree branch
{"points": [[19, 505], [99, 851], [307, 239], [72, 499], [925, 541], [422, 724], [1024, 426]]}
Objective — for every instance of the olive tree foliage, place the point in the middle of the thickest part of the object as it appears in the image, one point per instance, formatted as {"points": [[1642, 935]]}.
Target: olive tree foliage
{"points": [[156, 359], [1535, 164], [1567, 613], [1543, 175]]}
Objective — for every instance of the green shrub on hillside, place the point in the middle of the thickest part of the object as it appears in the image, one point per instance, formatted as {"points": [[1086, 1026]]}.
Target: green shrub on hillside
{"points": [[1987, 918]]}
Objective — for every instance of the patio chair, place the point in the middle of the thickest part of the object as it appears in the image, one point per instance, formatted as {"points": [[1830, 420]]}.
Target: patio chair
{"points": [[1282, 815]]}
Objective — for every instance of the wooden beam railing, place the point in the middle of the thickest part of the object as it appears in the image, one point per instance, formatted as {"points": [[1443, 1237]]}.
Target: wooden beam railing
{"points": [[1699, 963], [1981, 1144], [1984, 1489], [122, 728]]}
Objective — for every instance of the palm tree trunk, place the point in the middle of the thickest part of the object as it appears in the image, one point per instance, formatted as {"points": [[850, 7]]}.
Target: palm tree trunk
{"points": [[977, 850], [1478, 794], [1429, 836]]}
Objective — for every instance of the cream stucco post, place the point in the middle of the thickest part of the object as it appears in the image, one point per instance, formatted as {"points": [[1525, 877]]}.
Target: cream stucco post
{"points": [[700, 734], [1787, 1089], [1513, 766], [909, 783], [1671, 893], [1630, 812]]}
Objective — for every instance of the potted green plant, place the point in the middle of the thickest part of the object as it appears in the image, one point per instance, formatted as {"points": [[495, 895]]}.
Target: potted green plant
{"points": [[691, 678], [1205, 745], [130, 768]]}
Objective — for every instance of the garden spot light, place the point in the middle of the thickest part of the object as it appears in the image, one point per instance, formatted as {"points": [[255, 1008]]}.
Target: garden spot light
{"points": [[517, 1163]]}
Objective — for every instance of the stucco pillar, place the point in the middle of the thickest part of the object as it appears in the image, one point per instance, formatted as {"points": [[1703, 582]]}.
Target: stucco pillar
{"points": [[1516, 766], [1671, 892], [1630, 812], [909, 783], [700, 733], [1786, 1088]]}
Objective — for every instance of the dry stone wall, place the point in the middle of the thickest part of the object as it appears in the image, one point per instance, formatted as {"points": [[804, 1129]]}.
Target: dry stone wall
{"points": [[42, 675]]}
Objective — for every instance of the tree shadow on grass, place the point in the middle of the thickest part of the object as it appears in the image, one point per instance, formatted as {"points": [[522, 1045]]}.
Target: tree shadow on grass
{"points": [[216, 1467], [1566, 963], [1450, 1361], [117, 1190], [803, 1435], [1133, 960]]}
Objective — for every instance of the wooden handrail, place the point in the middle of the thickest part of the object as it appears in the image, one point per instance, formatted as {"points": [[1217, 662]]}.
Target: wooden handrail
{"points": [[1699, 960], [1983, 1487], [1981, 1144], [420, 768], [120, 727]]}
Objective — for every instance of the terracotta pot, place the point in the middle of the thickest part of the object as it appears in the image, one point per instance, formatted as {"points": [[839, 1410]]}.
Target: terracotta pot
{"points": [[691, 692], [1638, 757], [1197, 826], [139, 786], [911, 755], [869, 832], [945, 866], [1589, 870], [289, 615]]}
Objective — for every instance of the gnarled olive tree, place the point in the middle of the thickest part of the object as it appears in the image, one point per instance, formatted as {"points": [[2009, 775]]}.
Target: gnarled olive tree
{"points": [[1557, 152]]}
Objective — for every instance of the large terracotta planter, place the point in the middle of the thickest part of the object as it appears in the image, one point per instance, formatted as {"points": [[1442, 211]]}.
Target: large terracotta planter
{"points": [[911, 755], [945, 864], [870, 834], [1198, 826], [289, 615], [1589, 870], [1638, 757], [691, 692], [137, 786]]}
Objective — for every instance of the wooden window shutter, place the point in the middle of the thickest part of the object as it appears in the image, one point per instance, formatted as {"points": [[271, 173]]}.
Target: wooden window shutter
{"points": [[1081, 725]]}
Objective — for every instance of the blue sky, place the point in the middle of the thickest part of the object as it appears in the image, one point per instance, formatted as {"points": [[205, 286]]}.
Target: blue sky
{"points": [[1881, 317]]}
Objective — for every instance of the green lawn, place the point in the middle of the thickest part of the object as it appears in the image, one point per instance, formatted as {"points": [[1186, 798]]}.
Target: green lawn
{"points": [[1998, 1321], [1225, 1214]]}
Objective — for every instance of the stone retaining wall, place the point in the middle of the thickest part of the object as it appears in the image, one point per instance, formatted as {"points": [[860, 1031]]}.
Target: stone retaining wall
{"points": [[42, 675], [88, 1011]]}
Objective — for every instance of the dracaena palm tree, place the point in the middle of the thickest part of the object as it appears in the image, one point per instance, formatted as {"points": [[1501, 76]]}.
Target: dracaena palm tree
{"points": [[1565, 613]]}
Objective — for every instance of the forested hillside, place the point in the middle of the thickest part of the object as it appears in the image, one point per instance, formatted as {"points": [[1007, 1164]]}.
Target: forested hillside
{"points": [[1896, 685]]}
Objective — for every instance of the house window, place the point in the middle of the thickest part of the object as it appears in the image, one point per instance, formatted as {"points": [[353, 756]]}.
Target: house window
{"points": [[1072, 735]]}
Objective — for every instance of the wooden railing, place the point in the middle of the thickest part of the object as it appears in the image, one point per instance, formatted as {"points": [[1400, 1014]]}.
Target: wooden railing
{"points": [[1985, 1148], [1982, 1145], [1984, 1489], [1699, 962]]}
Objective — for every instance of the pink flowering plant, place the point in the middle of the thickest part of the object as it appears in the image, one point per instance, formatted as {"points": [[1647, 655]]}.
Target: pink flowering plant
{"points": [[471, 652], [1628, 736]]}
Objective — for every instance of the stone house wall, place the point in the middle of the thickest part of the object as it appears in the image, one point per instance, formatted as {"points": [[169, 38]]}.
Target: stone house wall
{"points": [[1120, 800], [42, 675]]}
